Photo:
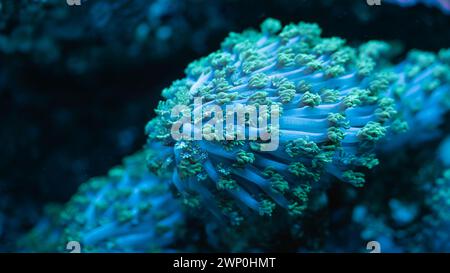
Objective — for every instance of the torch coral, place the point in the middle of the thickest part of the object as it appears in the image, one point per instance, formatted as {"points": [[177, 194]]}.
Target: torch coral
{"points": [[333, 105]]}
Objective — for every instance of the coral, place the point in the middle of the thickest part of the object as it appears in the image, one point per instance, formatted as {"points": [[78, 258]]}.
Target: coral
{"points": [[130, 210], [422, 97], [335, 104]]}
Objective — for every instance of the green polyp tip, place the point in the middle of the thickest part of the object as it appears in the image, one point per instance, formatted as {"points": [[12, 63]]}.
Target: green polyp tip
{"points": [[277, 81], [302, 147], [329, 95], [286, 91], [230, 145], [335, 135], [248, 66], [154, 164], [178, 91], [446, 174], [372, 131], [197, 68], [412, 71], [323, 158], [300, 47], [144, 207], [245, 49], [303, 59], [303, 86], [431, 85], [80, 197], [182, 96], [354, 178], [226, 171], [297, 168], [220, 59], [288, 32], [444, 55], [295, 209], [286, 58], [381, 82], [226, 183], [399, 126], [157, 129], [374, 49], [328, 45], [244, 158], [386, 102], [353, 99], [266, 207], [442, 72], [399, 90], [221, 85], [258, 81], [309, 31], [191, 201], [421, 58], [225, 98], [311, 99], [334, 71], [302, 192], [365, 66], [386, 110], [259, 97], [277, 181], [124, 215], [271, 26], [189, 167], [315, 65], [101, 205], [343, 56], [124, 192], [235, 218], [300, 170], [367, 160], [115, 173], [338, 119]]}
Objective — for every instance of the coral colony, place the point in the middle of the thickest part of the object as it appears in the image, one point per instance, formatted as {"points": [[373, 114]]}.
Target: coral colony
{"points": [[253, 136]]}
